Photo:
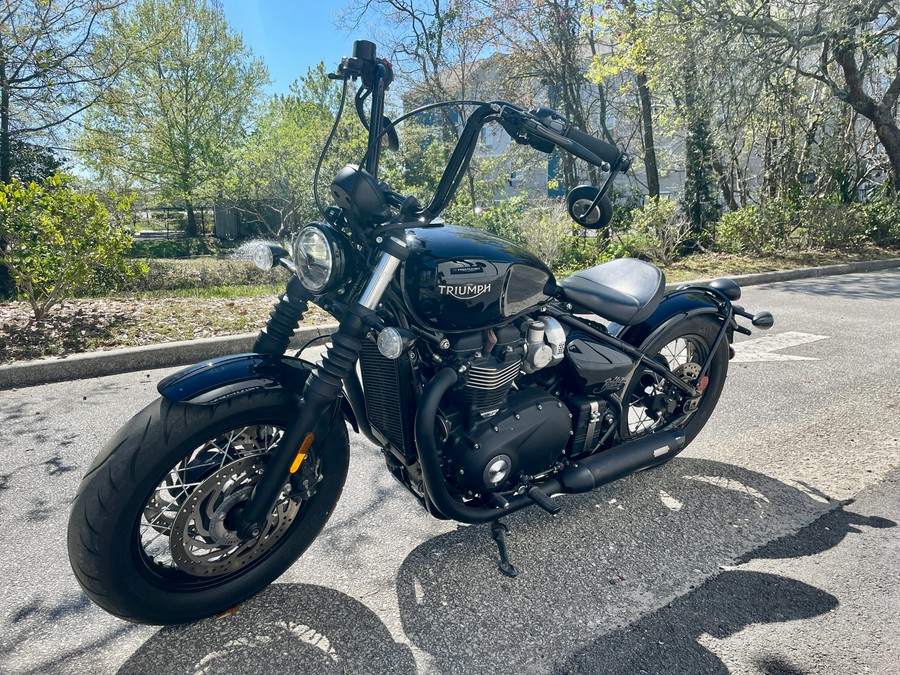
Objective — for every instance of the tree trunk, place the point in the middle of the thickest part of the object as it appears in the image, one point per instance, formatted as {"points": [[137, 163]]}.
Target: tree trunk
{"points": [[5, 152], [191, 228], [650, 164], [725, 184], [7, 288], [889, 134], [878, 114]]}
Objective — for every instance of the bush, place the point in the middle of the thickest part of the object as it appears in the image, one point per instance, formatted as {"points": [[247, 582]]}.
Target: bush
{"points": [[547, 231], [658, 232], [57, 239], [881, 221], [746, 229], [176, 275], [174, 248], [503, 219], [800, 224]]}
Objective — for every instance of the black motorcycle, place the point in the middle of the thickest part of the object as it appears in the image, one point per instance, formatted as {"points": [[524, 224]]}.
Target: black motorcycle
{"points": [[488, 385]]}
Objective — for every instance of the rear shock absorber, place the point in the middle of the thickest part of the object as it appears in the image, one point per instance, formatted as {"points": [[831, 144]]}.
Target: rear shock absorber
{"points": [[275, 337]]}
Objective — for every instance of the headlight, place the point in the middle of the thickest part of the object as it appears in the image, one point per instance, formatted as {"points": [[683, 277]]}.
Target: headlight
{"points": [[319, 258]]}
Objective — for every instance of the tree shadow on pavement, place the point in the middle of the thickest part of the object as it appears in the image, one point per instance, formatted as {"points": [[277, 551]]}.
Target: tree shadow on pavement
{"points": [[288, 628], [880, 285], [611, 557], [667, 640]]}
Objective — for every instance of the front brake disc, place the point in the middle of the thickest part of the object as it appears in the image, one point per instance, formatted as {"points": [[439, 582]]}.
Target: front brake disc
{"points": [[203, 541]]}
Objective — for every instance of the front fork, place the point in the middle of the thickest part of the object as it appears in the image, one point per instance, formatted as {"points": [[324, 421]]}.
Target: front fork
{"points": [[322, 391]]}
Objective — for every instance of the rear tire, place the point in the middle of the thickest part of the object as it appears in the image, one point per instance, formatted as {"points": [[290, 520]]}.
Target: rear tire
{"points": [[139, 507], [683, 348]]}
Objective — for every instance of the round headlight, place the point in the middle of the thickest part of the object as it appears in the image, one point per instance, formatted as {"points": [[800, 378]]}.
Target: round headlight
{"points": [[314, 258]]}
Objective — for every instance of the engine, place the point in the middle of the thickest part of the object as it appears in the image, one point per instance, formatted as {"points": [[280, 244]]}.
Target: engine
{"points": [[515, 414]]}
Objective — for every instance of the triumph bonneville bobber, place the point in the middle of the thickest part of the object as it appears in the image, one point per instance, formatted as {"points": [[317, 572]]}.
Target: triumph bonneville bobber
{"points": [[488, 385]]}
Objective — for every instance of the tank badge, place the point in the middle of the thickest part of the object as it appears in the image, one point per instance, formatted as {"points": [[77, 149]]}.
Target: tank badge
{"points": [[465, 292]]}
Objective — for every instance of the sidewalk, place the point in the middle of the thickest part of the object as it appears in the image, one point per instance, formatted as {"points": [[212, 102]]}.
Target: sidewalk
{"points": [[166, 355]]}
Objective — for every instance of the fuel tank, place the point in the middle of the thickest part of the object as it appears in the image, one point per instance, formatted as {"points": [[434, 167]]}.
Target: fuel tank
{"points": [[460, 279]]}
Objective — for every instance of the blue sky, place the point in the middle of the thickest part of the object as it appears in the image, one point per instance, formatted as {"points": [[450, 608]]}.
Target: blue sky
{"points": [[290, 36]]}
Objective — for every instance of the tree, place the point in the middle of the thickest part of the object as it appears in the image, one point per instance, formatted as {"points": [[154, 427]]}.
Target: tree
{"points": [[853, 48], [56, 240], [180, 105], [630, 29], [52, 67], [32, 162], [273, 172], [440, 49]]}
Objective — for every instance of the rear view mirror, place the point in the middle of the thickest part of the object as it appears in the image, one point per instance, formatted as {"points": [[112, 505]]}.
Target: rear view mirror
{"points": [[578, 203]]}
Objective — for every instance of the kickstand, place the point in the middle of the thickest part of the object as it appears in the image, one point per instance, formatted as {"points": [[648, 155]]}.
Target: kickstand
{"points": [[498, 532]]}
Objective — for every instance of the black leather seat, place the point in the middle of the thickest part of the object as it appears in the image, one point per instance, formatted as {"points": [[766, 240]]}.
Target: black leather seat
{"points": [[625, 291]]}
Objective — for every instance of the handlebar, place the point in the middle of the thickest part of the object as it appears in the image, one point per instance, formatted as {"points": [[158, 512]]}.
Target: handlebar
{"points": [[549, 125], [605, 151]]}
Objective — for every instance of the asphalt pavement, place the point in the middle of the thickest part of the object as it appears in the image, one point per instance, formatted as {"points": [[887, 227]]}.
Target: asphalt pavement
{"points": [[769, 546]]}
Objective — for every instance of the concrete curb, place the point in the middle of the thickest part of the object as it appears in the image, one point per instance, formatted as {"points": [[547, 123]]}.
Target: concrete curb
{"points": [[801, 273], [114, 362], [149, 357]]}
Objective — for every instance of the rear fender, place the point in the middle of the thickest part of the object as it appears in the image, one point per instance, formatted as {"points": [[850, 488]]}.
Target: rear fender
{"points": [[217, 380], [674, 307]]}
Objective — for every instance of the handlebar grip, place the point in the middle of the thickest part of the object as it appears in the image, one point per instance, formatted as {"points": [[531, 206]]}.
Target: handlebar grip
{"points": [[605, 151]]}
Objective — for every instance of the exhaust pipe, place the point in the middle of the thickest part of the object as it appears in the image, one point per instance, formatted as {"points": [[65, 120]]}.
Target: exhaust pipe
{"points": [[615, 463], [582, 476]]}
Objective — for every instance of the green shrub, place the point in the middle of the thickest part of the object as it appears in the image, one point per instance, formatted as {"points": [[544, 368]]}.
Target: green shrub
{"points": [[658, 232], [744, 230], [198, 273], [174, 248], [826, 224], [798, 224], [57, 240], [881, 221], [548, 232], [503, 218]]}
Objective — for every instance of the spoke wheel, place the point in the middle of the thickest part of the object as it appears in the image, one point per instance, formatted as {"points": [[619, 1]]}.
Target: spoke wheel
{"points": [[188, 519], [152, 532], [651, 403]]}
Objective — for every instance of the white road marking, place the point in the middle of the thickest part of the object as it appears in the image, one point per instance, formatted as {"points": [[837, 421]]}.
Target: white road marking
{"points": [[761, 349], [671, 503]]}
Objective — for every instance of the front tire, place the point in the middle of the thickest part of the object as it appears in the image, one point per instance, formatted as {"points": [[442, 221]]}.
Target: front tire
{"points": [[149, 534]]}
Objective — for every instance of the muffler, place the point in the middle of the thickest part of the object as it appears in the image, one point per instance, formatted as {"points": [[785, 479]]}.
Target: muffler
{"points": [[615, 463]]}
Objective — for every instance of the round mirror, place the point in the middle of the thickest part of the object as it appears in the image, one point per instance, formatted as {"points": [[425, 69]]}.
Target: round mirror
{"points": [[579, 203]]}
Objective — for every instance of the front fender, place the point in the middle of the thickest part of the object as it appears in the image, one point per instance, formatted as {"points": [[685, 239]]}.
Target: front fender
{"points": [[211, 382], [675, 306]]}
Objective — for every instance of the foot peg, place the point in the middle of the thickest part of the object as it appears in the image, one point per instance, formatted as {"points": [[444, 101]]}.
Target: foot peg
{"points": [[543, 500], [498, 532]]}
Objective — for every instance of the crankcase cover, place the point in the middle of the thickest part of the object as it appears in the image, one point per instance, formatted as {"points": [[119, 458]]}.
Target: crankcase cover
{"points": [[529, 435], [459, 279]]}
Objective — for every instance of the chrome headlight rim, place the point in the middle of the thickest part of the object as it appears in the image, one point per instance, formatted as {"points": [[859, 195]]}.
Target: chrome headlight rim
{"points": [[333, 262]]}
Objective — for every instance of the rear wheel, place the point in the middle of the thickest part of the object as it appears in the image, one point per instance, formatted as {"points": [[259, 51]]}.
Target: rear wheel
{"points": [[151, 534], [651, 403]]}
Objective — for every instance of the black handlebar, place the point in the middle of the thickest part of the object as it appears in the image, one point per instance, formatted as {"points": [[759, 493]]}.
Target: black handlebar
{"points": [[543, 129], [605, 151]]}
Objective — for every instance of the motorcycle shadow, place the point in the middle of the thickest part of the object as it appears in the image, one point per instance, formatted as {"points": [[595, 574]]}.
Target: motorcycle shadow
{"points": [[287, 628], [611, 557]]}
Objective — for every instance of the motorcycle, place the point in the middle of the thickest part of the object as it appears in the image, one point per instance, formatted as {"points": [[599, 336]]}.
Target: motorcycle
{"points": [[488, 385]]}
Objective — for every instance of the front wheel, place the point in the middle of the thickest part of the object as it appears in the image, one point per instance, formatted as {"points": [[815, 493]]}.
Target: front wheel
{"points": [[650, 403], [151, 534]]}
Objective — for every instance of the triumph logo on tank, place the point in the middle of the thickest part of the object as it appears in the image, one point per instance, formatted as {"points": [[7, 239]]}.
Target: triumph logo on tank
{"points": [[465, 292]]}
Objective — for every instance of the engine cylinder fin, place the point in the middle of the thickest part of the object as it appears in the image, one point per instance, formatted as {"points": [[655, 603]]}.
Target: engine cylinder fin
{"points": [[492, 378]]}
